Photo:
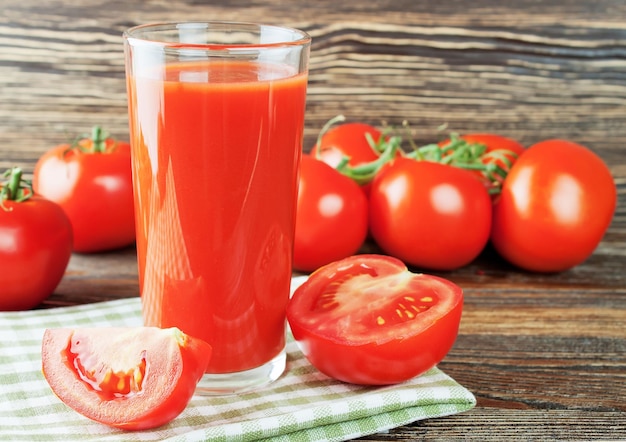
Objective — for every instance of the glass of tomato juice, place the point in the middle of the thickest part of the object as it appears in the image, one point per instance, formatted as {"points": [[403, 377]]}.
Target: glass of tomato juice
{"points": [[216, 113]]}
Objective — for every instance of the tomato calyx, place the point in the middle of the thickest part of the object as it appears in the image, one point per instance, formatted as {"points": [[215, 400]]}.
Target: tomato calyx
{"points": [[15, 188], [98, 141]]}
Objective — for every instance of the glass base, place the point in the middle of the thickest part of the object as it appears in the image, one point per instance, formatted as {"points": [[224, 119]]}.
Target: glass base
{"points": [[243, 381]]}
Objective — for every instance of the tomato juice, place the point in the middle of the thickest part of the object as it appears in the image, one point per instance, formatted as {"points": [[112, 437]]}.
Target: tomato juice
{"points": [[216, 148]]}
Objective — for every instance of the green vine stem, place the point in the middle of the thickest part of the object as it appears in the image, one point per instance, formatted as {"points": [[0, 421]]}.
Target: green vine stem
{"points": [[330, 123], [365, 173], [377, 146], [386, 148], [493, 165]]}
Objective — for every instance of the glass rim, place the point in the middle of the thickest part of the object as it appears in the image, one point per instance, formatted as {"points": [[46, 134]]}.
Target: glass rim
{"points": [[132, 34]]}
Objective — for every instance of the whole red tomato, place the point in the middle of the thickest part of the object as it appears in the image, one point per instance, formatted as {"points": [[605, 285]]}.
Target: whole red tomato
{"points": [[555, 206], [347, 140], [368, 320], [35, 245], [331, 220], [91, 180], [429, 215], [134, 378]]}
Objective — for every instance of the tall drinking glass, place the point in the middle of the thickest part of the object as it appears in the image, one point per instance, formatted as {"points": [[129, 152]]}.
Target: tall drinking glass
{"points": [[216, 114]]}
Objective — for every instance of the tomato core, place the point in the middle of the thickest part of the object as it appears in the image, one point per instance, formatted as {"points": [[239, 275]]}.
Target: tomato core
{"points": [[107, 382]]}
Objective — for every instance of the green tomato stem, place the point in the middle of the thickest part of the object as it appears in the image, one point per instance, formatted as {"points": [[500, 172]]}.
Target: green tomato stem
{"points": [[98, 139], [15, 188]]}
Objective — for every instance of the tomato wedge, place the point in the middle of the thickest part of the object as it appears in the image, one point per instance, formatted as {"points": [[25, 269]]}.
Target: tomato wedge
{"points": [[368, 320], [134, 378]]}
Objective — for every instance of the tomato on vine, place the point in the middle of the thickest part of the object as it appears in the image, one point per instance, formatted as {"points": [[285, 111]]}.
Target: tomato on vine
{"points": [[355, 143], [491, 156], [357, 150], [495, 142], [91, 180], [35, 244]]}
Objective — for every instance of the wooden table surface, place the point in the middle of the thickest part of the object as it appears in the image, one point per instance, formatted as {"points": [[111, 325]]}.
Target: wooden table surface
{"points": [[545, 355]]}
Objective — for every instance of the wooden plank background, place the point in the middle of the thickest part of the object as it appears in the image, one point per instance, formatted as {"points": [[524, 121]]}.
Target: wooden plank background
{"points": [[529, 69]]}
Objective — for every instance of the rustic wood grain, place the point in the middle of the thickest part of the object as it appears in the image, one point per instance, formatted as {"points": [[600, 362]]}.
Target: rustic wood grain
{"points": [[545, 355]]}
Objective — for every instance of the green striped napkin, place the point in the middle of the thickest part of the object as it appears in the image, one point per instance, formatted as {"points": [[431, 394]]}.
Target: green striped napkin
{"points": [[303, 405]]}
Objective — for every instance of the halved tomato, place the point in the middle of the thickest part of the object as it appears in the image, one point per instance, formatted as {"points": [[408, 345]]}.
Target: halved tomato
{"points": [[368, 320], [132, 378]]}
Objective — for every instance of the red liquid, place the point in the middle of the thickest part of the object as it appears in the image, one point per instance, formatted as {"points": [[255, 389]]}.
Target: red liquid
{"points": [[215, 175]]}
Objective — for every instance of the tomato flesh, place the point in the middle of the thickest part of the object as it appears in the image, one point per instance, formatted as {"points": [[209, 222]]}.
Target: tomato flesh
{"points": [[130, 378], [106, 381], [368, 320]]}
